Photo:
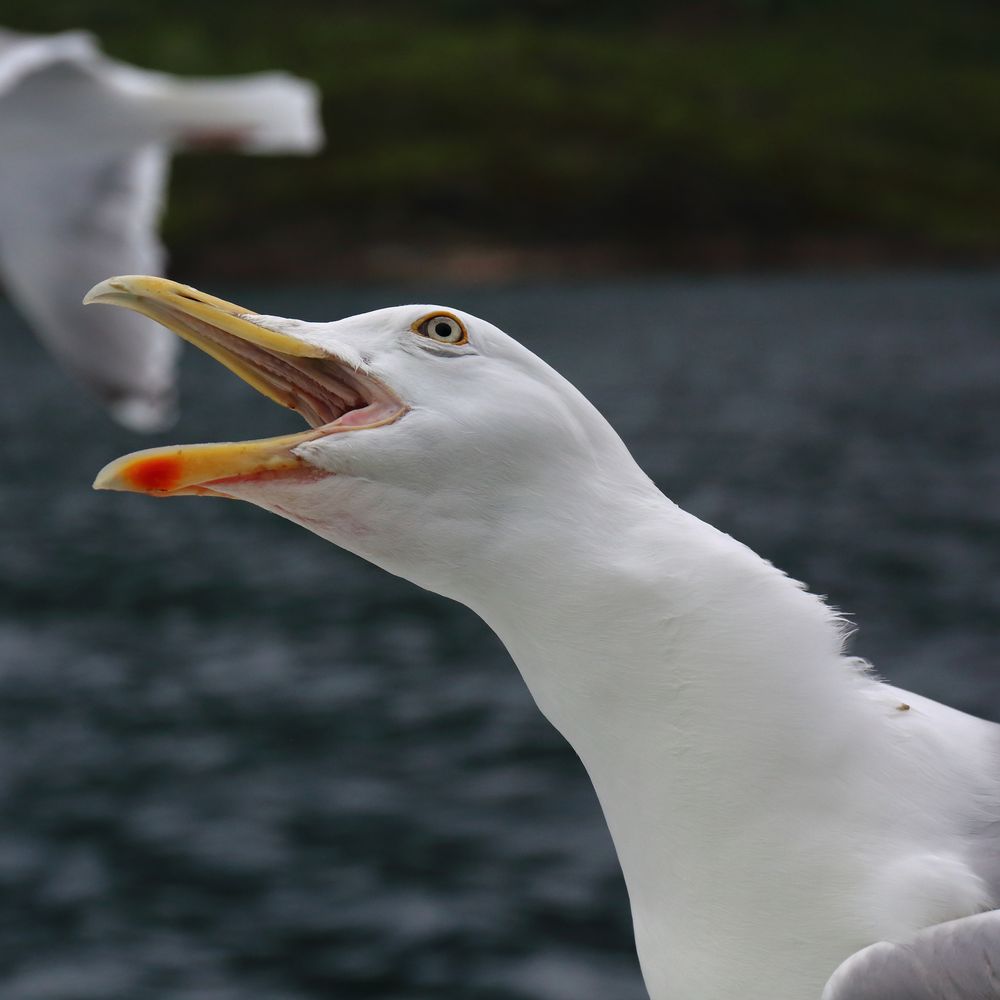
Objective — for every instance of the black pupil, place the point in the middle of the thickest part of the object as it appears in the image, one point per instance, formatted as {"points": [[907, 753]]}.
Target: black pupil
{"points": [[442, 329]]}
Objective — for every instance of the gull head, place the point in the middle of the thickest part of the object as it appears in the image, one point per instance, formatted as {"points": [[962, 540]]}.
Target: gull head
{"points": [[431, 432]]}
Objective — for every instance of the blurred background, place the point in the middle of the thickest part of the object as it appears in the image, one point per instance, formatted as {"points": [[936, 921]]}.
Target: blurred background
{"points": [[239, 764]]}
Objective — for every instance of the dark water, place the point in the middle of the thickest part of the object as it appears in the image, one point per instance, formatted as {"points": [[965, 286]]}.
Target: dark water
{"points": [[238, 764]]}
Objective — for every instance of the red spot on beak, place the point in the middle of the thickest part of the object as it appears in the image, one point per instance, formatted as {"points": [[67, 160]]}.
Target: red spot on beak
{"points": [[155, 475]]}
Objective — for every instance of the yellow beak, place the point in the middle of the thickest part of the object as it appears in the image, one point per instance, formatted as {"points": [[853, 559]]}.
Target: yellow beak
{"points": [[226, 332]]}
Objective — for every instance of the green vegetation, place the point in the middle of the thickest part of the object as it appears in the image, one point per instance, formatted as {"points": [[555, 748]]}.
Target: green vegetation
{"points": [[678, 129]]}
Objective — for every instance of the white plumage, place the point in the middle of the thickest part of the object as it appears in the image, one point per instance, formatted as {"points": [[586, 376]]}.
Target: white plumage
{"points": [[86, 143], [775, 807]]}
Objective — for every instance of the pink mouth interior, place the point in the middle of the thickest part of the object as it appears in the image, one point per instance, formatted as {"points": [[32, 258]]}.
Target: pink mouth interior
{"points": [[326, 392]]}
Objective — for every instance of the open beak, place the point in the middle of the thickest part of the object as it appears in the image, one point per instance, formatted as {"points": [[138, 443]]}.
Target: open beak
{"points": [[332, 395]]}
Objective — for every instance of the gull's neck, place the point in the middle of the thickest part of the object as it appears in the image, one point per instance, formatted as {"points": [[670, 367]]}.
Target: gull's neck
{"points": [[662, 649], [637, 610], [704, 692]]}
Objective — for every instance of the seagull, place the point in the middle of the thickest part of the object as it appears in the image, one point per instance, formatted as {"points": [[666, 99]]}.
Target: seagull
{"points": [[86, 144], [788, 825]]}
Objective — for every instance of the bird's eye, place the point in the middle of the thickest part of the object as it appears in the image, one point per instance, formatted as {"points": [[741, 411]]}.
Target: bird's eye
{"points": [[443, 328]]}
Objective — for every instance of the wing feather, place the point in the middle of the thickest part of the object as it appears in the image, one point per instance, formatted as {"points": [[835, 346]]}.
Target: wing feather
{"points": [[957, 960]]}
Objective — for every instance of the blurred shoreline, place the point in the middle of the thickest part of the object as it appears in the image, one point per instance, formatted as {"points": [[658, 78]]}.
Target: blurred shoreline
{"points": [[495, 142], [288, 257]]}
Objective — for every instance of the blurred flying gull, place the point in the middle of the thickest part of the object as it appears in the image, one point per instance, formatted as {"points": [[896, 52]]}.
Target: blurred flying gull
{"points": [[775, 807], [86, 144]]}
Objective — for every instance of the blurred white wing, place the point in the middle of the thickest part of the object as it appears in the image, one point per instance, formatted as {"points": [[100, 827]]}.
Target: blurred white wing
{"points": [[70, 224], [957, 960], [85, 145], [22, 54]]}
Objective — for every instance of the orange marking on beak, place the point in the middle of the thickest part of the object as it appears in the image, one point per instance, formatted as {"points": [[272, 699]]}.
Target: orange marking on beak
{"points": [[161, 473]]}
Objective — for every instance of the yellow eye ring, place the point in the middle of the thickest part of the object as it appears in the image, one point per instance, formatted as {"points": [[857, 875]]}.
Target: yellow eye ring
{"points": [[442, 328]]}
